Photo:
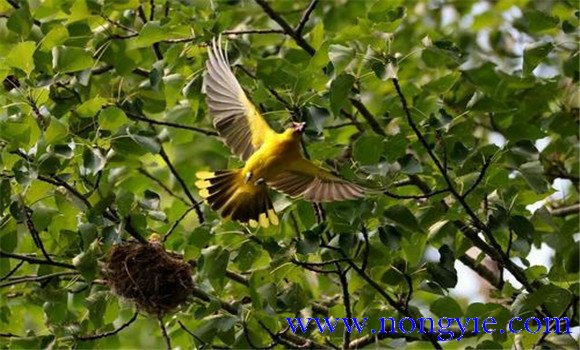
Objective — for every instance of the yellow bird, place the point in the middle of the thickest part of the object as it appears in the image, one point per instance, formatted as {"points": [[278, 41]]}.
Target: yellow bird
{"points": [[272, 159]]}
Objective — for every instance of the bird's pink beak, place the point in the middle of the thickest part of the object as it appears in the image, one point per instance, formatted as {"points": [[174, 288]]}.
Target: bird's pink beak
{"points": [[299, 127]]}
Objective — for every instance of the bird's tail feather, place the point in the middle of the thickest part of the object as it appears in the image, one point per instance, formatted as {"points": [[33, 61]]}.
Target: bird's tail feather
{"points": [[227, 192]]}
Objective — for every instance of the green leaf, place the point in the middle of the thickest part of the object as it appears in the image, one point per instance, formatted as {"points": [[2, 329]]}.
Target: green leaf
{"points": [[537, 21], [446, 307], [444, 273], [390, 237], [340, 56], [362, 146], [67, 59], [86, 262], [556, 299], [413, 246], [403, 217], [489, 345], [410, 165], [443, 84], [97, 305], [56, 311], [214, 264], [93, 160], [5, 193], [522, 227], [339, 91], [127, 142], [535, 54], [112, 118], [56, 36], [533, 173], [20, 21], [55, 132], [572, 260], [21, 56], [42, 216], [90, 108], [151, 33]]}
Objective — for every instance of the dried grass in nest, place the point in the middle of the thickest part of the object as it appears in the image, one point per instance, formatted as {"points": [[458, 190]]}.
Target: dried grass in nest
{"points": [[148, 275]]}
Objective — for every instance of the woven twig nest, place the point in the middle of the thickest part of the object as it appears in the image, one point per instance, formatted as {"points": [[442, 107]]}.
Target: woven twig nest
{"points": [[147, 274]]}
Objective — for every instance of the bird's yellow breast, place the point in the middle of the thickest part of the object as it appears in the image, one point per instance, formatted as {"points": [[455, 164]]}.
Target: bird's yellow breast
{"points": [[268, 161]]}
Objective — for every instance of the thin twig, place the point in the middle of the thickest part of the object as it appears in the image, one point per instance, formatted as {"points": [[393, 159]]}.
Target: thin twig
{"points": [[366, 251], [253, 31], [162, 185], [170, 124], [164, 332], [194, 203], [118, 24], [565, 211], [176, 223], [110, 333], [421, 196], [368, 116], [286, 27], [338, 126], [346, 304], [251, 343], [305, 16], [486, 165], [9, 335], [273, 92], [11, 272], [191, 333], [33, 231], [481, 270], [102, 69], [42, 278], [33, 260]]}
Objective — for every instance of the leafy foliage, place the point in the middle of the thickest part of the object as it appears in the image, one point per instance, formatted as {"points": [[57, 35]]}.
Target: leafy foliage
{"points": [[459, 115]]}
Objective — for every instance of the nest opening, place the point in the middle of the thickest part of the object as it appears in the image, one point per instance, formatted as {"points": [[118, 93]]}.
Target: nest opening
{"points": [[147, 274]]}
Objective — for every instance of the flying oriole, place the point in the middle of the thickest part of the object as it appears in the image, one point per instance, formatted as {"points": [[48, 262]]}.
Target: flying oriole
{"points": [[272, 159]]}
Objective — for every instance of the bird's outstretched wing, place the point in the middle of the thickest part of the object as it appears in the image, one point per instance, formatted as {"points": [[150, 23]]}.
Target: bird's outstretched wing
{"points": [[235, 117], [304, 178]]}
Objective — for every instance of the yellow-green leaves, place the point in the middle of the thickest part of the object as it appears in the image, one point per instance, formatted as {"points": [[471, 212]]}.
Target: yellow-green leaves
{"points": [[21, 56], [67, 59]]}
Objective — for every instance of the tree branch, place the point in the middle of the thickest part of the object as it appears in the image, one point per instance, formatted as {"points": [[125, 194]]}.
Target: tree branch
{"points": [[11, 272], [42, 278], [253, 31], [142, 118], [514, 269], [108, 334], [368, 116], [305, 16], [345, 302], [164, 332], [33, 260], [286, 27], [565, 211], [421, 196], [481, 270], [486, 165], [194, 203], [162, 185], [33, 231]]}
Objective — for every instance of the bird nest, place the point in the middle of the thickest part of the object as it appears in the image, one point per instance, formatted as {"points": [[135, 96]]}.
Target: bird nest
{"points": [[157, 281]]}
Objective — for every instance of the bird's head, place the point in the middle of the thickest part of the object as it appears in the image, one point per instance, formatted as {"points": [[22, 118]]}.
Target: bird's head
{"points": [[294, 131], [298, 128]]}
